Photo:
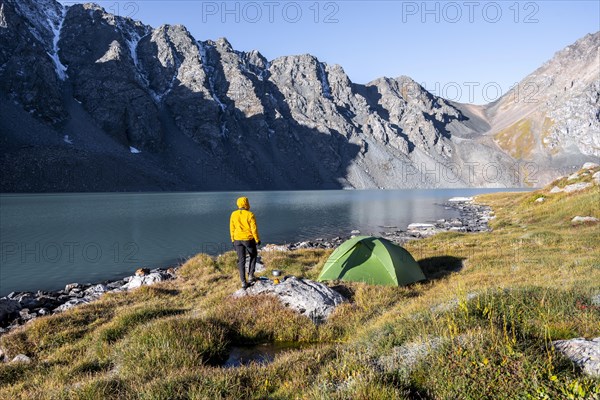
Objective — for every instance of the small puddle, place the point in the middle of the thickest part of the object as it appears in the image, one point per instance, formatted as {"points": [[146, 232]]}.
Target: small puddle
{"points": [[261, 353]]}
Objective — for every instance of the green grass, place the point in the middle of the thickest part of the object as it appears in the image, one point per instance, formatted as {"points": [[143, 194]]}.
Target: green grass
{"points": [[493, 303]]}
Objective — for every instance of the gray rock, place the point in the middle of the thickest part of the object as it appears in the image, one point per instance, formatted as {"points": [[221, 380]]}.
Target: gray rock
{"points": [[26, 314], [575, 187], [275, 247], [21, 359], [582, 352], [540, 199], [312, 299], [580, 220], [146, 280], [590, 165], [573, 176], [73, 303], [27, 300], [420, 226], [96, 289], [72, 286]]}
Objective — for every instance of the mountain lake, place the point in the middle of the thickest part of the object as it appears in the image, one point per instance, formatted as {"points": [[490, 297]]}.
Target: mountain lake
{"points": [[49, 240]]}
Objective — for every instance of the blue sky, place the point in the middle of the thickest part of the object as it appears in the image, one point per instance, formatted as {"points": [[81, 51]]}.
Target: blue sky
{"points": [[463, 50]]}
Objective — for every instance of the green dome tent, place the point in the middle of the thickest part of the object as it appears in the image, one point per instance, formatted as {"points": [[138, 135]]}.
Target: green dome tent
{"points": [[372, 260]]}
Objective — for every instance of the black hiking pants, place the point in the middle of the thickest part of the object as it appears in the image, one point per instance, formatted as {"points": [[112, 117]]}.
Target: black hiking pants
{"points": [[241, 247]]}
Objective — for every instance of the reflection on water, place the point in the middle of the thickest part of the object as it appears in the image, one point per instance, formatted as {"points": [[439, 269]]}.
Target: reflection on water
{"points": [[48, 241]]}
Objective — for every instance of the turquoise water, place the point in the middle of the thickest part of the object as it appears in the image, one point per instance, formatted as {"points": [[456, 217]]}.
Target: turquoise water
{"points": [[49, 240]]}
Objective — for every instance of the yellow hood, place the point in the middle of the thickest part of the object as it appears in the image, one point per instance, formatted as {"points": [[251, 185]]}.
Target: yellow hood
{"points": [[243, 202]]}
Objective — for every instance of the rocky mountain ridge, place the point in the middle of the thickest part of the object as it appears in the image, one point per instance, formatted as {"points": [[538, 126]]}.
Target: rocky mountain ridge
{"points": [[96, 102]]}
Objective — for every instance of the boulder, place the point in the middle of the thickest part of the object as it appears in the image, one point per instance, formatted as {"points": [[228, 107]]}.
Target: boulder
{"points": [[21, 358], [574, 176], [72, 286], [73, 303], [420, 226], [146, 280], [27, 300], [422, 230], [582, 352], [582, 220], [577, 187], [96, 289], [590, 165], [275, 247], [312, 299], [540, 199], [8, 308], [26, 314]]}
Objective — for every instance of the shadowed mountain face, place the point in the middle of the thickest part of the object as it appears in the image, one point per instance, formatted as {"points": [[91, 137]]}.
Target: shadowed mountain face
{"points": [[90, 101]]}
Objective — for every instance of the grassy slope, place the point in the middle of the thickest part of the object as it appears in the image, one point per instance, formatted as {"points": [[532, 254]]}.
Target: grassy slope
{"points": [[524, 284]]}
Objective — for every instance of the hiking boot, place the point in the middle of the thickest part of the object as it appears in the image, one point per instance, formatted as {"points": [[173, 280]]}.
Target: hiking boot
{"points": [[245, 286], [251, 279]]}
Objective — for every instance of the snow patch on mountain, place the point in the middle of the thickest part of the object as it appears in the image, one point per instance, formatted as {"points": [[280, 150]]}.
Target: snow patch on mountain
{"points": [[211, 82], [56, 25]]}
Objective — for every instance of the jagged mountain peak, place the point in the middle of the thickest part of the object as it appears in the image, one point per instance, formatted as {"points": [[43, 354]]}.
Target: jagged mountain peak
{"points": [[207, 116], [583, 50]]}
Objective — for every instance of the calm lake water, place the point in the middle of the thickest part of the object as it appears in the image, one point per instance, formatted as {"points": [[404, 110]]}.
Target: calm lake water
{"points": [[47, 241]]}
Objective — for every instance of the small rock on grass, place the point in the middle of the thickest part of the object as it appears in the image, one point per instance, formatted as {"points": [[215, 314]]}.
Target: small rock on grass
{"points": [[582, 220], [21, 358]]}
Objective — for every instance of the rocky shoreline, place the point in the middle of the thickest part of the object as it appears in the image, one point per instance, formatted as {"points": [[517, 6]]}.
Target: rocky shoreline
{"points": [[473, 217], [18, 308]]}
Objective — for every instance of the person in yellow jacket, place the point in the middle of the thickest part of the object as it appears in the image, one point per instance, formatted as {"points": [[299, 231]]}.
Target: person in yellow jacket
{"points": [[244, 236]]}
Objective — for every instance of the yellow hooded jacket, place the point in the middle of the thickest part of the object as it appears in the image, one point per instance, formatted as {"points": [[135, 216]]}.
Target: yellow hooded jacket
{"points": [[242, 224]]}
